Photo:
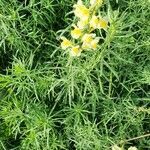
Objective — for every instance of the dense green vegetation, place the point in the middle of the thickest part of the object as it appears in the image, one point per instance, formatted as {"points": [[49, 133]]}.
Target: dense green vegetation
{"points": [[49, 101]]}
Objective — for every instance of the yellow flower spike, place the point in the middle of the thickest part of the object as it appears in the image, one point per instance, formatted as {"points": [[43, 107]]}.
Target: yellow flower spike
{"points": [[65, 43], [102, 24], [82, 31], [96, 2], [81, 11], [94, 22], [76, 32], [75, 51]]}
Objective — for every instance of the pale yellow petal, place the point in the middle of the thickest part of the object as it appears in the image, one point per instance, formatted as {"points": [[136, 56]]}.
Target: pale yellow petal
{"points": [[82, 24], [76, 33], [65, 43], [94, 22], [115, 147], [96, 2], [102, 24], [81, 11], [86, 46], [75, 51], [94, 43], [87, 38], [132, 148]]}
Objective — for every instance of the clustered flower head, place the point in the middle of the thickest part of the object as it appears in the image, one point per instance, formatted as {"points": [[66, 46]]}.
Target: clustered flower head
{"points": [[83, 36]]}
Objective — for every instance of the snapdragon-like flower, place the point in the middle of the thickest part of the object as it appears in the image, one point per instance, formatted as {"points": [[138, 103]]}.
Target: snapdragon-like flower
{"points": [[87, 21], [65, 43], [94, 43], [132, 148], [90, 41], [94, 22], [102, 24], [76, 32], [81, 11], [98, 23], [115, 147], [75, 51], [82, 24], [87, 38]]}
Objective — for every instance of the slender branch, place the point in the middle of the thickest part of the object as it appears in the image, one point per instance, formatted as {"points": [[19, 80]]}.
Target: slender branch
{"points": [[139, 137], [135, 138]]}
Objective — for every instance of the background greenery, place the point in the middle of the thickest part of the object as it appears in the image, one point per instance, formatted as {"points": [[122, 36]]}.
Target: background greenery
{"points": [[51, 102]]}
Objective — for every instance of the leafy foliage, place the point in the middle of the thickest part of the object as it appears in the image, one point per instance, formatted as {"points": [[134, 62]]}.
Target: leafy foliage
{"points": [[50, 101]]}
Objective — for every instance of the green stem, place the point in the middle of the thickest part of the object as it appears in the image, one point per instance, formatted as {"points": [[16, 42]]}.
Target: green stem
{"points": [[135, 138]]}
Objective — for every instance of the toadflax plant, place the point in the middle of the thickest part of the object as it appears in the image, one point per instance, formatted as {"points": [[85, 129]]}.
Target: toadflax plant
{"points": [[83, 35]]}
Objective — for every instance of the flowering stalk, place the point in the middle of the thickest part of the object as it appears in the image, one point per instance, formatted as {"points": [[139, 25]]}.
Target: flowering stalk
{"points": [[83, 32]]}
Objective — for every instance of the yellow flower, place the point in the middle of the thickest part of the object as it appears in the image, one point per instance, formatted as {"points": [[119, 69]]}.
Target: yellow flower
{"points": [[87, 38], [102, 24], [76, 33], [115, 147], [65, 43], [94, 22], [94, 43], [89, 42], [82, 24], [75, 51], [132, 148], [85, 46], [81, 11], [96, 2]]}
